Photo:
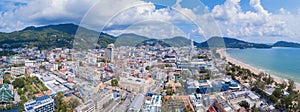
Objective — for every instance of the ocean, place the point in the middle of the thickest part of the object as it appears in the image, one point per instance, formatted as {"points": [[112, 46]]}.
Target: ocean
{"points": [[281, 62]]}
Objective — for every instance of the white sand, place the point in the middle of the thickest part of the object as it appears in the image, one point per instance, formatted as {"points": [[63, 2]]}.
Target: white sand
{"points": [[251, 68]]}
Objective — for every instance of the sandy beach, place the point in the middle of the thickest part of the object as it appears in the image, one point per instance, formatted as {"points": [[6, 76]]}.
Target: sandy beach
{"points": [[251, 68]]}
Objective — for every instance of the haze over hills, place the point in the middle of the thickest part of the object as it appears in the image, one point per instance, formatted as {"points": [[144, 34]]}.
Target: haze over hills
{"points": [[62, 35]]}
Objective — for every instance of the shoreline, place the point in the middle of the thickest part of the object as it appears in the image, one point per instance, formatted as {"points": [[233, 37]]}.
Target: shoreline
{"points": [[251, 68]]}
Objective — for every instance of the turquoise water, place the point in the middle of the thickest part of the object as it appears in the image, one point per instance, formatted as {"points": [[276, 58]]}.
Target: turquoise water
{"points": [[282, 62]]}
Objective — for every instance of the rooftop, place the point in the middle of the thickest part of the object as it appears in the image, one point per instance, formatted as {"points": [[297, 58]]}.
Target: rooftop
{"points": [[137, 102], [31, 104]]}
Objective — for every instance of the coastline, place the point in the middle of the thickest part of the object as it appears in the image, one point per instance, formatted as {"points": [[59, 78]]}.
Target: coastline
{"points": [[251, 68]]}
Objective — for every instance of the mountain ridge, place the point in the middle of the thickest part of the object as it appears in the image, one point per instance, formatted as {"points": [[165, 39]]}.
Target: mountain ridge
{"points": [[62, 35], [286, 44]]}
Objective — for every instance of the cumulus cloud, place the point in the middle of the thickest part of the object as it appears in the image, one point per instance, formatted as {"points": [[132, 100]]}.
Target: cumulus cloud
{"points": [[129, 15], [41, 12], [107, 14], [140, 12], [258, 24], [143, 12], [154, 29]]}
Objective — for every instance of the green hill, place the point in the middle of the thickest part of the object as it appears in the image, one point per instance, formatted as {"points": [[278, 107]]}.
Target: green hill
{"points": [[178, 41], [129, 39], [62, 35], [286, 44], [222, 42]]}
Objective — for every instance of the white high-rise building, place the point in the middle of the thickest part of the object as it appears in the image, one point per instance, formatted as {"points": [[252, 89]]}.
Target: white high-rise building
{"points": [[109, 53]]}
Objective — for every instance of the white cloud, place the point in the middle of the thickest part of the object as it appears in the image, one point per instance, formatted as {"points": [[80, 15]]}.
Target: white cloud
{"points": [[232, 20], [152, 29], [255, 25], [41, 12], [101, 13], [137, 12]]}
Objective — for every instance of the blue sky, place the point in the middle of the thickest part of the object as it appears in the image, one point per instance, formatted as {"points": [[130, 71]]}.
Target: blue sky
{"points": [[252, 20], [270, 5]]}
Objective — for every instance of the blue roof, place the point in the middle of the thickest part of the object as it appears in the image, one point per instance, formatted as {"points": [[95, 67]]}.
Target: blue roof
{"points": [[204, 89], [233, 84], [202, 81], [150, 93], [29, 108], [42, 98], [225, 87], [116, 94], [37, 101]]}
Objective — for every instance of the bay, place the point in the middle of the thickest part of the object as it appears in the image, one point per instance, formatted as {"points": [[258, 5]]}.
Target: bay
{"points": [[282, 62]]}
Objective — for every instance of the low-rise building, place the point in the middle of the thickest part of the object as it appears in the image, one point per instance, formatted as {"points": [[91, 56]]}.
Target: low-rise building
{"points": [[30, 63], [154, 104], [17, 71], [40, 104], [102, 99], [137, 103], [89, 106], [135, 85]]}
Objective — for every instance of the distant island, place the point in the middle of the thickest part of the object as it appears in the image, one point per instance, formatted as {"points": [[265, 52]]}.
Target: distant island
{"points": [[62, 35]]}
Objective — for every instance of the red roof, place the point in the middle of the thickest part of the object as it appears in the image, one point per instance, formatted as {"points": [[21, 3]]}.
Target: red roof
{"points": [[211, 109]]}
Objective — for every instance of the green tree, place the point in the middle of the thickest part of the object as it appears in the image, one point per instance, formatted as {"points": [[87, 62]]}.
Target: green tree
{"points": [[277, 93], [298, 101], [286, 102], [20, 91], [59, 101], [147, 68], [244, 104], [254, 108], [80, 63], [283, 85], [114, 82], [18, 82], [273, 99], [42, 67], [6, 80], [169, 92], [74, 103], [203, 71], [291, 86]]}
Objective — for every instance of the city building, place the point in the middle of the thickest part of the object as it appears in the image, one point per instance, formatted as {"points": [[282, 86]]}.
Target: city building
{"points": [[191, 86], [154, 104], [18, 71], [137, 103], [194, 64], [109, 52], [30, 63], [17, 60], [169, 58], [135, 85], [89, 106], [54, 66], [40, 104], [218, 106], [6, 93], [102, 99]]}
